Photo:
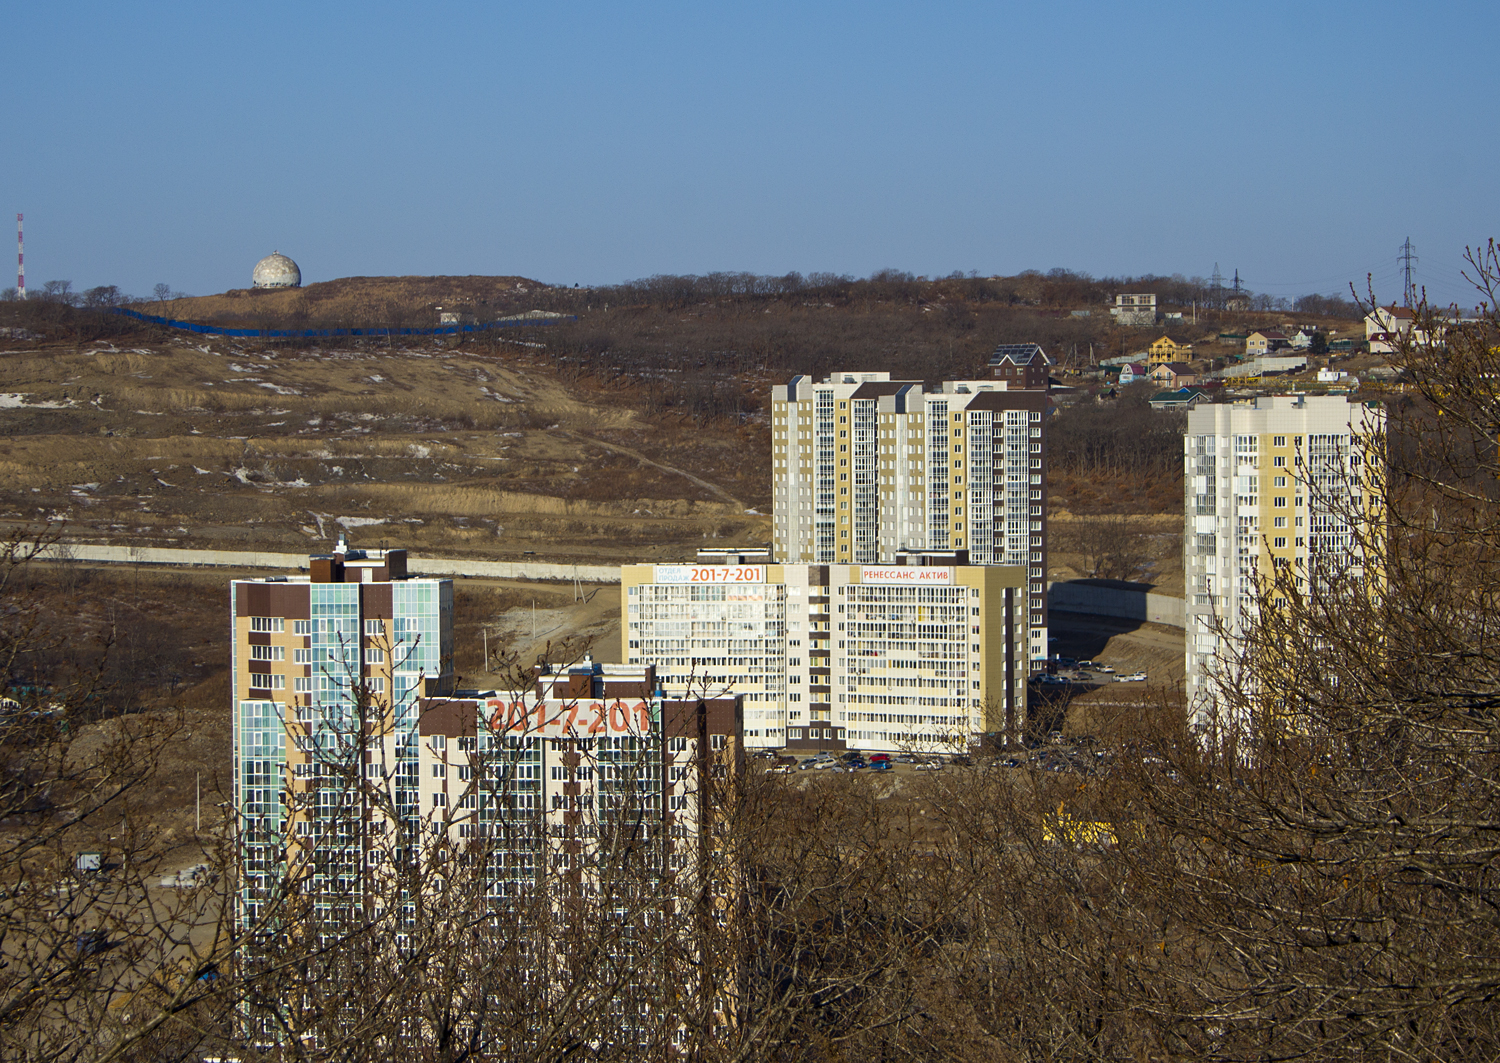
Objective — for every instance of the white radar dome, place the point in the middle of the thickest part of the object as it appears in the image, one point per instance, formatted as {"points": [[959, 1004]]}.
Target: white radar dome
{"points": [[276, 271]]}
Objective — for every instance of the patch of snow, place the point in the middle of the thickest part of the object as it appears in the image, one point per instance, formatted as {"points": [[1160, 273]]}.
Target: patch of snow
{"points": [[416, 450], [753, 512], [164, 483], [10, 400], [278, 388], [201, 472], [86, 487], [359, 522]]}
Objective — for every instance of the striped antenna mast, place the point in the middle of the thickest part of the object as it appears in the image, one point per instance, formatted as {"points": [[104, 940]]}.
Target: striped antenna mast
{"points": [[20, 258]]}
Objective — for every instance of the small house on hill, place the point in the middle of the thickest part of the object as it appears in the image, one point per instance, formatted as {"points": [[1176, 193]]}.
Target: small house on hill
{"points": [[1264, 342], [1167, 349], [1138, 310], [1023, 366], [1173, 375], [1131, 372], [1181, 399]]}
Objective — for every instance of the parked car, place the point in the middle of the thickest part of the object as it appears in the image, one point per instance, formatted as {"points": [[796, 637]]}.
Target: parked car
{"points": [[765, 754], [1138, 677], [929, 766], [780, 769], [1054, 680], [874, 757], [810, 762], [1085, 664], [962, 760], [905, 758], [882, 765], [1106, 669], [822, 764]]}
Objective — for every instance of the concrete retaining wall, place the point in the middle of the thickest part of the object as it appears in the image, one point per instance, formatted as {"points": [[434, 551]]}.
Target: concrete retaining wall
{"points": [[421, 566], [1079, 597]]}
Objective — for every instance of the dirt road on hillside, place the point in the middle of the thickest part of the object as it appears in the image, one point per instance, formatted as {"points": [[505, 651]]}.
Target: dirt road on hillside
{"points": [[714, 489]]}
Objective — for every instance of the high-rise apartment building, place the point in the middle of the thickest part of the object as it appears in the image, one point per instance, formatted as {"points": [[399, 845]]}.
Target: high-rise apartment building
{"points": [[865, 467], [926, 653], [320, 661], [1274, 485], [353, 752]]}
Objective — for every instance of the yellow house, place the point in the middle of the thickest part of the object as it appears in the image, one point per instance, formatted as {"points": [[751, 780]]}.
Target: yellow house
{"points": [[1168, 350]]}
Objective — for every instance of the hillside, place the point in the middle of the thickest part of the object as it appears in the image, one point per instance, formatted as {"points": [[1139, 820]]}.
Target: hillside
{"points": [[374, 301], [484, 452], [634, 431]]}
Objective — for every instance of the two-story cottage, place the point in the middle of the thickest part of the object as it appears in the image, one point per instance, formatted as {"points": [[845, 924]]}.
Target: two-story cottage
{"points": [[1167, 349], [1137, 310], [1265, 341]]}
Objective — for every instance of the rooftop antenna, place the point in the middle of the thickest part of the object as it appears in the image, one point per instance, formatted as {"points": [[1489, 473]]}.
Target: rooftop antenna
{"points": [[20, 258], [1406, 258]]}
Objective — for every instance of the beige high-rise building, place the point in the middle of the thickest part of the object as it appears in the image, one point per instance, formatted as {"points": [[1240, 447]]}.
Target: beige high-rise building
{"points": [[924, 654], [866, 467], [1271, 485]]}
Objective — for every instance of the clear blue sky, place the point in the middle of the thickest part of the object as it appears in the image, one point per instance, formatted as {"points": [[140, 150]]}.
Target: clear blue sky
{"points": [[587, 142]]}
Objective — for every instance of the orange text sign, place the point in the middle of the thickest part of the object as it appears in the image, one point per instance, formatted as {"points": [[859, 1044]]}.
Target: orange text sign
{"points": [[570, 719]]}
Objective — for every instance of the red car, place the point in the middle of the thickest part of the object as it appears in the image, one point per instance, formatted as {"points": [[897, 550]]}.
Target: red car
{"points": [[877, 757]]}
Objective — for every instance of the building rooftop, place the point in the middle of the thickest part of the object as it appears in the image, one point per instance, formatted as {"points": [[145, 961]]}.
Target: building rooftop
{"points": [[1020, 354]]}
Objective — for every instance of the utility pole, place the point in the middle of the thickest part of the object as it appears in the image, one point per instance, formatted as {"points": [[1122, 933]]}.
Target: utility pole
{"points": [[1406, 260]]}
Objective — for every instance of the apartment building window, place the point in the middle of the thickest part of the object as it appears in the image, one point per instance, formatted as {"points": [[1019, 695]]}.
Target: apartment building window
{"points": [[374, 655], [1278, 441], [274, 625], [1279, 461], [1280, 502], [302, 684], [376, 685], [440, 771], [439, 800], [302, 627], [1279, 542], [266, 681], [267, 653]]}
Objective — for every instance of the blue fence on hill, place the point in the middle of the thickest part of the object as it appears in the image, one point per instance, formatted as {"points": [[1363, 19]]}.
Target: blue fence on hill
{"points": [[298, 334]]}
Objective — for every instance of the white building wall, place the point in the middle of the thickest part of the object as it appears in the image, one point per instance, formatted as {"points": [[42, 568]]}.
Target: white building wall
{"points": [[1264, 484]]}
